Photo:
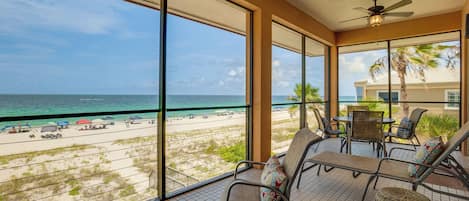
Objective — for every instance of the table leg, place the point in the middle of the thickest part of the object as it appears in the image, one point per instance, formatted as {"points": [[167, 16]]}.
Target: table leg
{"points": [[349, 142]]}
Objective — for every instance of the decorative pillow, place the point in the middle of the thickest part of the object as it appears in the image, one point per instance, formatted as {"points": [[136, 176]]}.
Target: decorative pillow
{"points": [[426, 154], [405, 128], [273, 175]]}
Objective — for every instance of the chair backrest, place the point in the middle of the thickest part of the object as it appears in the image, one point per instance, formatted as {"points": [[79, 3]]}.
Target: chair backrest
{"points": [[367, 125], [415, 117], [321, 124], [450, 146], [352, 108], [296, 153]]}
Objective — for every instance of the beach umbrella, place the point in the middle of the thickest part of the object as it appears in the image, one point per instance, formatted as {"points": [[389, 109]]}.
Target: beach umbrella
{"points": [[135, 117], [83, 121], [62, 123], [48, 128], [108, 118], [6, 127], [98, 121]]}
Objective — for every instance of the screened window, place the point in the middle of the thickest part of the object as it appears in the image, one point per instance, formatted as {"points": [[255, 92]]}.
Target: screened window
{"points": [[384, 95], [453, 98]]}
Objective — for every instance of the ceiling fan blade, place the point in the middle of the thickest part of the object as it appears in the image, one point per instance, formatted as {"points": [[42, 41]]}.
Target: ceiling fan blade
{"points": [[362, 9], [399, 14], [398, 5], [343, 21]]}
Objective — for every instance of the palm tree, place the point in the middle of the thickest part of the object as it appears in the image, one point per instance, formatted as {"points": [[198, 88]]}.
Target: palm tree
{"points": [[415, 60], [311, 95]]}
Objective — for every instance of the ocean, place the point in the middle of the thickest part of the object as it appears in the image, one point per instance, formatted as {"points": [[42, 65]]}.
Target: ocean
{"points": [[24, 105]]}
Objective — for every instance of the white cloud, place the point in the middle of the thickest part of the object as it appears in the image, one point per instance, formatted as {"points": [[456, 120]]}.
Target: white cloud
{"points": [[89, 17], [282, 84], [236, 74], [221, 83], [232, 73], [275, 63], [355, 64]]}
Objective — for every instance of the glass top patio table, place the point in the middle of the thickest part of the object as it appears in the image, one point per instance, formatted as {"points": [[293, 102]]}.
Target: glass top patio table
{"points": [[348, 120]]}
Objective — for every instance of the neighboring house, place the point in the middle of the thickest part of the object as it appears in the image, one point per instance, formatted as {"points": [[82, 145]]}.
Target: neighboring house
{"points": [[441, 85]]}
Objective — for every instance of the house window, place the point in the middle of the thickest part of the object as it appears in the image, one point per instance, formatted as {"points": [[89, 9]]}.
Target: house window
{"points": [[359, 93], [384, 95], [453, 98]]}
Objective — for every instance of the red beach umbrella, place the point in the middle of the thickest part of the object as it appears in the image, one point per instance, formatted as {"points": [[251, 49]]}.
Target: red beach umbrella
{"points": [[83, 121]]}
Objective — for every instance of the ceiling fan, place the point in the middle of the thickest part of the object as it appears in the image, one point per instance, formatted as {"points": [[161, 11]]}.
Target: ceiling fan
{"points": [[377, 13]]}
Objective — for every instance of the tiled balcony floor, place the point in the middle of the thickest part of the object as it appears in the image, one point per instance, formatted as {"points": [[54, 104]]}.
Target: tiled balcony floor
{"points": [[337, 184]]}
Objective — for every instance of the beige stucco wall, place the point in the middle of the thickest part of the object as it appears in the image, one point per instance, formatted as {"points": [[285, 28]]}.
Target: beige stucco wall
{"points": [[422, 93]]}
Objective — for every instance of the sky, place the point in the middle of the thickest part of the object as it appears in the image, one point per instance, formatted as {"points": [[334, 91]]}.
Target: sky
{"points": [[112, 47], [354, 67]]}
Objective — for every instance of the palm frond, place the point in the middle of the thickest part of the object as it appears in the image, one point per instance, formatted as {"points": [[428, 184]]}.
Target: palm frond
{"points": [[377, 68]]}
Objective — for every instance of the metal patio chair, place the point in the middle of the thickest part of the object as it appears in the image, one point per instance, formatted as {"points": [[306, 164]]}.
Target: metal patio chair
{"points": [[367, 126], [415, 117], [326, 128], [246, 186], [352, 108]]}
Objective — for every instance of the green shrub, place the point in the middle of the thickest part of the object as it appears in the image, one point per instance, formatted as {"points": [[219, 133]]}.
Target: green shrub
{"points": [[438, 125], [128, 190], [233, 153], [75, 191], [212, 146]]}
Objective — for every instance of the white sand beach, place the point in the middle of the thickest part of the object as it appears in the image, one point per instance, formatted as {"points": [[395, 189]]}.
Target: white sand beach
{"points": [[115, 150]]}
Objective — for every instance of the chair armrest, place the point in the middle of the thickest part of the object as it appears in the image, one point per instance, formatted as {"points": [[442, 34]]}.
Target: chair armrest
{"points": [[248, 183], [400, 148], [246, 162]]}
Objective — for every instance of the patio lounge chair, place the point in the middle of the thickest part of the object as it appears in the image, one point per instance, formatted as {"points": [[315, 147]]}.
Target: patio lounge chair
{"points": [[247, 185], [414, 119], [397, 169]]}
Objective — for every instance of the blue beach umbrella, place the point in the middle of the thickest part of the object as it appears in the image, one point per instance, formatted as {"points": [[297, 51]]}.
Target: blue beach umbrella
{"points": [[63, 123], [135, 117], [108, 118], [6, 127]]}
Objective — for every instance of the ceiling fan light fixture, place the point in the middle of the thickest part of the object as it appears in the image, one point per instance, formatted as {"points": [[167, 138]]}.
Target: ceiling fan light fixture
{"points": [[375, 20]]}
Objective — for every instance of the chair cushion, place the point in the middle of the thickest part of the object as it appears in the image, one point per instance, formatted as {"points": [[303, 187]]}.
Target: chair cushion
{"points": [[426, 154], [405, 128], [273, 175]]}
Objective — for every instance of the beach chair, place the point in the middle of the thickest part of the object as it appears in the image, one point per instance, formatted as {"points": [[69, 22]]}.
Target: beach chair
{"points": [[246, 186], [414, 119], [397, 169]]}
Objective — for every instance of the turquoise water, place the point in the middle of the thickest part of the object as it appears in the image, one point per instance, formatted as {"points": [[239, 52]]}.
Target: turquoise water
{"points": [[24, 105]]}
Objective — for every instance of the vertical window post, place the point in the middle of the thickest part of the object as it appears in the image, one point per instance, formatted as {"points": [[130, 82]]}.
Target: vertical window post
{"points": [[303, 83], [389, 78], [162, 103]]}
